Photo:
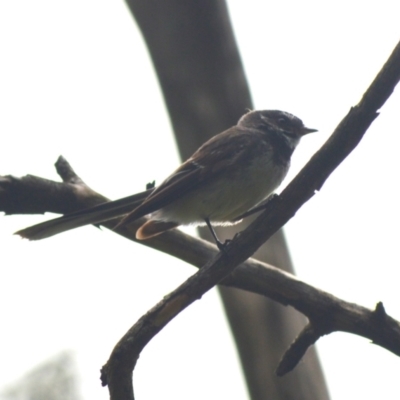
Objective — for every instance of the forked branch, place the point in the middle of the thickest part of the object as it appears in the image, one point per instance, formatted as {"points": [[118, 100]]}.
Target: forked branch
{"points": [[325, 312]]}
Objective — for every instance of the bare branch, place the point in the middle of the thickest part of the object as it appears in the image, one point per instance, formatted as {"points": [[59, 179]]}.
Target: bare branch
{"points": [[33, 195], [307, 337], [326, 313], [116, 373]]}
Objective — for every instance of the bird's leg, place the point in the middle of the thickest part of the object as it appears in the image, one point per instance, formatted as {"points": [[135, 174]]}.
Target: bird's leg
{"points": [[221, 246], [258, 208]]}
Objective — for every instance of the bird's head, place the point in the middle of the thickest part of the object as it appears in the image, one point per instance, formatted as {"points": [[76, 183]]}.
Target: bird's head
{"points": [[275, 120]]}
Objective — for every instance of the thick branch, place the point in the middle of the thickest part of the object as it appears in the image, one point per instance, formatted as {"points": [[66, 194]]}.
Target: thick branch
{"points": [[327, 313], [33, 195], [117, 371]]}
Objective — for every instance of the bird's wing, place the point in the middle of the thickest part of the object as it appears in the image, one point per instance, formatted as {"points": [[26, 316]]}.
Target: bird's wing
{"points": [[220, 153], [93, 215], [184, 179], [208, 162]]}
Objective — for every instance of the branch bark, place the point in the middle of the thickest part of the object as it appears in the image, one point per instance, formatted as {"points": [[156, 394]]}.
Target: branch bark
{"points": [[117, 372], [325, 312], [194, 52]]}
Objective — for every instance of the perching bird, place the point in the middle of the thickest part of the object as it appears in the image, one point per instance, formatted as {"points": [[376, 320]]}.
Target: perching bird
{"points": [[228, 175]]}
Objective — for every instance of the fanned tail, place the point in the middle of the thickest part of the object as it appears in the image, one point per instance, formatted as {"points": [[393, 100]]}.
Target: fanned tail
{"points": [[93, 215]]}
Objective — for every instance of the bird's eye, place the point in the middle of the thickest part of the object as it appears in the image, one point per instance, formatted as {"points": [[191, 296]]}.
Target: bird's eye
{"points": [[282, 121]]}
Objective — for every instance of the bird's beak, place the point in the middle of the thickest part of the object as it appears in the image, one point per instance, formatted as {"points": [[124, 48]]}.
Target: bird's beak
{"points": [[305, 130]]}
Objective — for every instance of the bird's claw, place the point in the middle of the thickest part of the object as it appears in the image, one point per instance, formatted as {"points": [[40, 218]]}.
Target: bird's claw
{"points": [[223, 247]]}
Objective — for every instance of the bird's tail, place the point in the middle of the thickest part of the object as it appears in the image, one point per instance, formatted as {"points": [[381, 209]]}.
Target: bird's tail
{"points": [[93, 215]]}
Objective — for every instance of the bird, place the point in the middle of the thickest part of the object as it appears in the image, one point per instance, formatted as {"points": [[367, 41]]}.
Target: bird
{"points": [[227, 177]]}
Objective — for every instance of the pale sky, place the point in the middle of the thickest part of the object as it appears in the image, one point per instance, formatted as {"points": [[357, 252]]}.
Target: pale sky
{"points": [[67, 87]]}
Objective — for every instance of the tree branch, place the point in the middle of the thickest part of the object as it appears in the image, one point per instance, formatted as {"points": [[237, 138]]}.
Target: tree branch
{"points": [[326, 313], [117, 372], [33, 195], [329, 313]]}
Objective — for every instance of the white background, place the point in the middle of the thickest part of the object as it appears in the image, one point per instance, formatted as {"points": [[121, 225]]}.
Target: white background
{"points": [[76, 80]]}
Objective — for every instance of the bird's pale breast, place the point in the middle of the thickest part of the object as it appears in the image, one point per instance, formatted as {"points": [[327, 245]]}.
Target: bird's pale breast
{"points": [[224, 198]]}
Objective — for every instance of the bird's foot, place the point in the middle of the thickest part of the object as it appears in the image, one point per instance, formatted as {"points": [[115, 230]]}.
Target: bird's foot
{"points": [[223, 247]]}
